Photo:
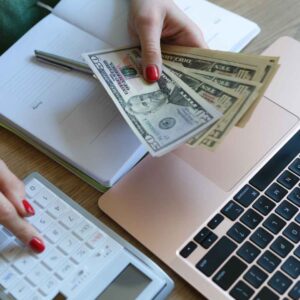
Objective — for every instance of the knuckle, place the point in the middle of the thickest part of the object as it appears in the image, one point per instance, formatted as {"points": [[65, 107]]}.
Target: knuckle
{"points": [[146, 20], [7, 211]]}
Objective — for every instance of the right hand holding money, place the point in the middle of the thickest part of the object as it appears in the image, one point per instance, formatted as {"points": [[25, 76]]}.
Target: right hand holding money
{"points": [[200, 96]]}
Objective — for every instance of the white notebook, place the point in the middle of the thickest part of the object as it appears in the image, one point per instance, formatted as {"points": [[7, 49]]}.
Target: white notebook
{"points": [[68, 115]]}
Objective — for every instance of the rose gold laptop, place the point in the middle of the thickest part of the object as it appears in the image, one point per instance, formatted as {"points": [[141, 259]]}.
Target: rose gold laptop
{"points": [[228, 222]]}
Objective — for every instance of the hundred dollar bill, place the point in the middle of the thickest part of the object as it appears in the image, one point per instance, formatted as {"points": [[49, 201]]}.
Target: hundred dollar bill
{"points": [[164, 114], [222, 99]]}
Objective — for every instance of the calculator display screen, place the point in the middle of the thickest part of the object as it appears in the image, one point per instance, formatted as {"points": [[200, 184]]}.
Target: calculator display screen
{"points": [[127, 285]]}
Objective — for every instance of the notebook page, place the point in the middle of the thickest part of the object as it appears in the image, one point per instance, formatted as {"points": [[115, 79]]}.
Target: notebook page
{"points": [[223, 30], [67, 112]]}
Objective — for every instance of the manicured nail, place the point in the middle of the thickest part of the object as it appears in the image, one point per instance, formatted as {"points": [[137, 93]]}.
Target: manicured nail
{"points": [[37, 245], [29, 209], [152, 73]]}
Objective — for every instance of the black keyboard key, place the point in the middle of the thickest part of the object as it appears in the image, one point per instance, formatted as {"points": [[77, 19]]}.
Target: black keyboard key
{"points": [[248, 252], [229, 273], [264, 205], [216, 256], [251, 218], [292, 232], [295, 291], [261, 237], [282, 246], [255, 276], [241, 291], [266, 294], [268, 261], [238, 232], [294, 196], [292, 267], [288, 179], [210, 239], [188, 249], [279, 282], [295, 166], [276, 192], [286, 210], [246, 195], [277, 163], [215, 221], [297, 219], [297, 251], [274, 223], [232, 210], [201, 235]]}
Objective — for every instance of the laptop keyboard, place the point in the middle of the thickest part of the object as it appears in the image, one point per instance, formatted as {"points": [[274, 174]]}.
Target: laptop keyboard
{"points": [[259, 256]]}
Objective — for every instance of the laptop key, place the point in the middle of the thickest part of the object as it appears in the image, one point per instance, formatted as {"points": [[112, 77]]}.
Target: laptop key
{"points": [[295, 166], [246, 195], [261, 237], [268, 261], [264, 205], [248, 252], [238, 232], [297, 252], [229, 273], [202, 234], [266, 294], [292, 232], [297, 219], [216, 256], [294, 196], [241, 291], [282, 246], [255, 276], [188, 249], [276, 192], [209, 240], [295, 291], [274, 223], [215, 221], [251, 218], [232, 210], [292, 267], [286, 210], [288, 179], [279, 282]]}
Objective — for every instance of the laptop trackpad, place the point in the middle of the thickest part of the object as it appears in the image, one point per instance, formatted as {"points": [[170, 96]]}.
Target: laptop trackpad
{"points": [[243, 147]]}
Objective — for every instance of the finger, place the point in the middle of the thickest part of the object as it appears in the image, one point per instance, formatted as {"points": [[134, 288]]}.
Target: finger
{"points": [[149, 32], [14, 190], [10, 219]]}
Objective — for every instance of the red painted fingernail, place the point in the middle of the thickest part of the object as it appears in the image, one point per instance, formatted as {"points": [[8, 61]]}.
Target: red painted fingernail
{"points": [[37, 245], [29, 209], [152, 73]]}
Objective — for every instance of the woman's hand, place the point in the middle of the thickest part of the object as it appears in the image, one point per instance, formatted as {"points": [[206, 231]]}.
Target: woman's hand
{"points": [[153, 21], [14, 208]]}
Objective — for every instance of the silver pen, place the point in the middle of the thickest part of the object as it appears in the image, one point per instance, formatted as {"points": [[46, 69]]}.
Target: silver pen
{"points": [[62, 62]]}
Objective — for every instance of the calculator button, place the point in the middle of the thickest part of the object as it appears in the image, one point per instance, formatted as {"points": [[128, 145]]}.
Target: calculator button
{"points": [[65, 270], [44, 198], [10, 251], [41, 222], [3, 240], [38, 274], [54, 233], [81, 254], [69, 244], [32, 188], [56, 208], [246, 195], [69, 219], [95, 240], [49, 287], [54, 258], [84, 229], [9, 278], [21, 290], [3, 265], [24, 261]]}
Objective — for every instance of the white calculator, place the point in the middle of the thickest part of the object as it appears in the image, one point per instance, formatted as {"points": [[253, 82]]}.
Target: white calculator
{"points": [[83, 258]]}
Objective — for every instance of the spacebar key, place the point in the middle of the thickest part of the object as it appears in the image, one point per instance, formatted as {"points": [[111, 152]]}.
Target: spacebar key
{"points": [[216, 256]]}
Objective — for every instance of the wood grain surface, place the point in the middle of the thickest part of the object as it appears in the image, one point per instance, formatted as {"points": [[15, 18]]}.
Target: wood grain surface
{"points": [[275, 17]]}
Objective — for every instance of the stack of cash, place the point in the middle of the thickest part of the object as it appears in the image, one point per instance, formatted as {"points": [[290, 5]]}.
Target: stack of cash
{"points": [[200, 96]]}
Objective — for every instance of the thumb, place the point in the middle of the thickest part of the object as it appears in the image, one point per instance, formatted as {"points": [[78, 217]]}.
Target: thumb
{"points": [[149, 34]]}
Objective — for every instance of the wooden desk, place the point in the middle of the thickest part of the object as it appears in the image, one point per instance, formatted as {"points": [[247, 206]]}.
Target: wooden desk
{"points": [[275, 17]]}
